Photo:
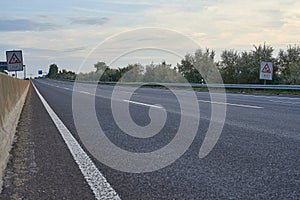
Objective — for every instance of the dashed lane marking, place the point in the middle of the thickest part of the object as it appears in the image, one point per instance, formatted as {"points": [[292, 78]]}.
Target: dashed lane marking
{"points": [[84, 92], [142, 104], [231, 104]]}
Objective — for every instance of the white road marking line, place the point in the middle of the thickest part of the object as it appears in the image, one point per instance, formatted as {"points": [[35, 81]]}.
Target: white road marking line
{"points": [[97, 182], [143, 104], [84, 92], [275, 97], [231, 104]]}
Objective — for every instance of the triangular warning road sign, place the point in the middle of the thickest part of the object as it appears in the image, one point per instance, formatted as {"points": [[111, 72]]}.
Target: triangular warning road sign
{"points": [[14, 59], [266, 69]]}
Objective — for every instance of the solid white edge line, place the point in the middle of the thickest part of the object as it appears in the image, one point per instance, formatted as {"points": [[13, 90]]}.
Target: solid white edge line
{"points": [[97, 182], [143, 104], [232, 104]]}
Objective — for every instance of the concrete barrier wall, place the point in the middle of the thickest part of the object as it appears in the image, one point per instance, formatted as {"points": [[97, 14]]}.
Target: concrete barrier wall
{"points": [[12, 97]]}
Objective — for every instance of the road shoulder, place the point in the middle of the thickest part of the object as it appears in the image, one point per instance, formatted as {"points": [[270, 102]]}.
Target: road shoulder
{"points": [[41, 166]]}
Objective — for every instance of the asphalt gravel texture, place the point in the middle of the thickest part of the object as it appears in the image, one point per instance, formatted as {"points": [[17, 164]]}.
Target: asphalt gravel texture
{"points": [[256, 157]]}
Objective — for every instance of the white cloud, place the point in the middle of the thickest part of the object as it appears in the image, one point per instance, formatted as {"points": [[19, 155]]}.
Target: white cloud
{"points": [[227, 24], [217, 24]]}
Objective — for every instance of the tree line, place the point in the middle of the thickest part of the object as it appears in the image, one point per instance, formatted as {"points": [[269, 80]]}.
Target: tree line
{"points": [[235, 68]]}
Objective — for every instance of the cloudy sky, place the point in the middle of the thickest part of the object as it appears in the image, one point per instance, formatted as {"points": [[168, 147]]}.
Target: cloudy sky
{"points": [[65, 32]]}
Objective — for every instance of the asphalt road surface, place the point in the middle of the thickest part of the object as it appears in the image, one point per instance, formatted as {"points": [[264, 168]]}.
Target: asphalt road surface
{"points": [[256, 156]]}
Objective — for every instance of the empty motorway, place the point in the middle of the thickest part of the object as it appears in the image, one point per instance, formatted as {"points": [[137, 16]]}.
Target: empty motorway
{"points": [[256, 156]]}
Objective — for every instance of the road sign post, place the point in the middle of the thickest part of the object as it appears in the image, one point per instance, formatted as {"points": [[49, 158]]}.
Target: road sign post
{"points": [[24, 67]]}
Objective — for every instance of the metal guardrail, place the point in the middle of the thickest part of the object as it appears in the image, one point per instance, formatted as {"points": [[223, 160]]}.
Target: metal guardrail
{"points": [[226, 86], [257, 86]]}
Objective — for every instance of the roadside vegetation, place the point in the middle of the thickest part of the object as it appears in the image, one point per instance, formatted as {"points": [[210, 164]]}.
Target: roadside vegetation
{"points": [[235, 68]]}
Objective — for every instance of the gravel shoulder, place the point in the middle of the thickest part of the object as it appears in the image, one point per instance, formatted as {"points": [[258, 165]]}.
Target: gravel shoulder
{"points": [[40, 165]]}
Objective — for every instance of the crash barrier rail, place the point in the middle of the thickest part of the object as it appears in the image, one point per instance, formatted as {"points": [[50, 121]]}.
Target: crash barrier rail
{"points": [[196, 85]]}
